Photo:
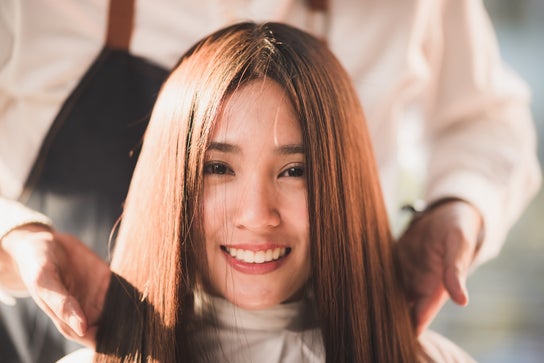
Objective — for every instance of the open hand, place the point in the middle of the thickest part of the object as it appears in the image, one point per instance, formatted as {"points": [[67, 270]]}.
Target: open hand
{"points": [[435, 254], [67, 280]]}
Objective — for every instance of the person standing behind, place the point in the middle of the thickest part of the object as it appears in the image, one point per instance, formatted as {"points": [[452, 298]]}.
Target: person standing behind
{"points": [[254, 228], [439, 58]]}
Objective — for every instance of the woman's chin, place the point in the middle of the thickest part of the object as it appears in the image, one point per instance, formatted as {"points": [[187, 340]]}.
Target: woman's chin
{"points": [[254, 303], [260, 301]]}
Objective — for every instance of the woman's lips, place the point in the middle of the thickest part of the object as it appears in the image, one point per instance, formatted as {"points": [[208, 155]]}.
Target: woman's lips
{"points": [[255, 261]]}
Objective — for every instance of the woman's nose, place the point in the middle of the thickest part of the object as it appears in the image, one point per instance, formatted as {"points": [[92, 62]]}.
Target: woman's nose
{"points": [[257, 207]]}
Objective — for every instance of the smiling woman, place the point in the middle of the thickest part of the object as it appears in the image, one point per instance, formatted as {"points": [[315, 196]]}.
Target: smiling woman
{"points": [[254, 229]]}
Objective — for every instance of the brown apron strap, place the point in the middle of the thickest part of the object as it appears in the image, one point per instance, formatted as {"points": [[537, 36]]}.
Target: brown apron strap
{"points": [[318, 5], [120, 24]]}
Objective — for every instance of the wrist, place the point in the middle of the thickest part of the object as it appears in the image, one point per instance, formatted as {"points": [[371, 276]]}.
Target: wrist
{"points": [[420, 209]]}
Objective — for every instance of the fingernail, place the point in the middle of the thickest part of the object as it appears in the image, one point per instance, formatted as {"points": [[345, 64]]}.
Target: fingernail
{"points": [[76, 324]]}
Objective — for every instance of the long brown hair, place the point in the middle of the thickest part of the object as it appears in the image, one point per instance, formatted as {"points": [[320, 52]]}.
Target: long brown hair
{"points": [[364, 315]]}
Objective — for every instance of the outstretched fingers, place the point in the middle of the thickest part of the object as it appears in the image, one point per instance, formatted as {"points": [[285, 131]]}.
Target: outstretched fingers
{"points": [[52, 296]]}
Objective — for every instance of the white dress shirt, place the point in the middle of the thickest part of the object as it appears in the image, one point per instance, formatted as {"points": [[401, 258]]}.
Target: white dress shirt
{"points": [[434, 62]]}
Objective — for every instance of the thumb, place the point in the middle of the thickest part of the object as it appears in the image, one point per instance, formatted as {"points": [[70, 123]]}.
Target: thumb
{"points": [[455, 283], [456, 262]]}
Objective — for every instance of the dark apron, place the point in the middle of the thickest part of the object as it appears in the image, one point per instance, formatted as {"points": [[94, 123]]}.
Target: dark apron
{"points": [[82, 173]]}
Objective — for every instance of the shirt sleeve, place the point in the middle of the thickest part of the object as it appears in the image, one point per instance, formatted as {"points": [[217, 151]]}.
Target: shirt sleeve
{"points": [[481, 137]]}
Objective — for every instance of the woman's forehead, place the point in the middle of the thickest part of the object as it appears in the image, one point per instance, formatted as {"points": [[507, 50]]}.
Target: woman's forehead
{"points": [[258, 108]]}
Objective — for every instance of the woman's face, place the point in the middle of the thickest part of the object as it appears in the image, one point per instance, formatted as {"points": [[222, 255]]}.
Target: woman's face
{"points": [[255, 209]]}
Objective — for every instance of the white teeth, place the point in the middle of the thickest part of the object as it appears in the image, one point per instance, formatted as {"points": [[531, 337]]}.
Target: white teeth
{"points": [[248, 256], [259, 257]]}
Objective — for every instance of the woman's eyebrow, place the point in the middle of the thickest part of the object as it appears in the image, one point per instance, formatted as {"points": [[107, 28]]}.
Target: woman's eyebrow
{"points": [[290, 149], [224, 147], [287, 149]]}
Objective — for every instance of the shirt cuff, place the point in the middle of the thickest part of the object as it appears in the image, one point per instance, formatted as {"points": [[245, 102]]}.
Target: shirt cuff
{"points": [[14, 215]]}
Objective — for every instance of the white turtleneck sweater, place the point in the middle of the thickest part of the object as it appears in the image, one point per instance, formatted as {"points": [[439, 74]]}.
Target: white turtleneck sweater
{"points": [[285, 333]]}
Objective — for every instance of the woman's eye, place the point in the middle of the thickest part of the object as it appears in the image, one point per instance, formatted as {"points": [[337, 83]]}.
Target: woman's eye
{"points": [[295, 171], [217, 168]]}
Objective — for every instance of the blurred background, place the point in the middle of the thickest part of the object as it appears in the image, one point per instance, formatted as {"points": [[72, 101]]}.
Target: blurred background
{"points": [[504, 321]]}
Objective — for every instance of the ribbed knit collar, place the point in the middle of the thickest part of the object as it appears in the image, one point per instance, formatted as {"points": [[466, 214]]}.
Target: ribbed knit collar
{"points": [[293, 316]]}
